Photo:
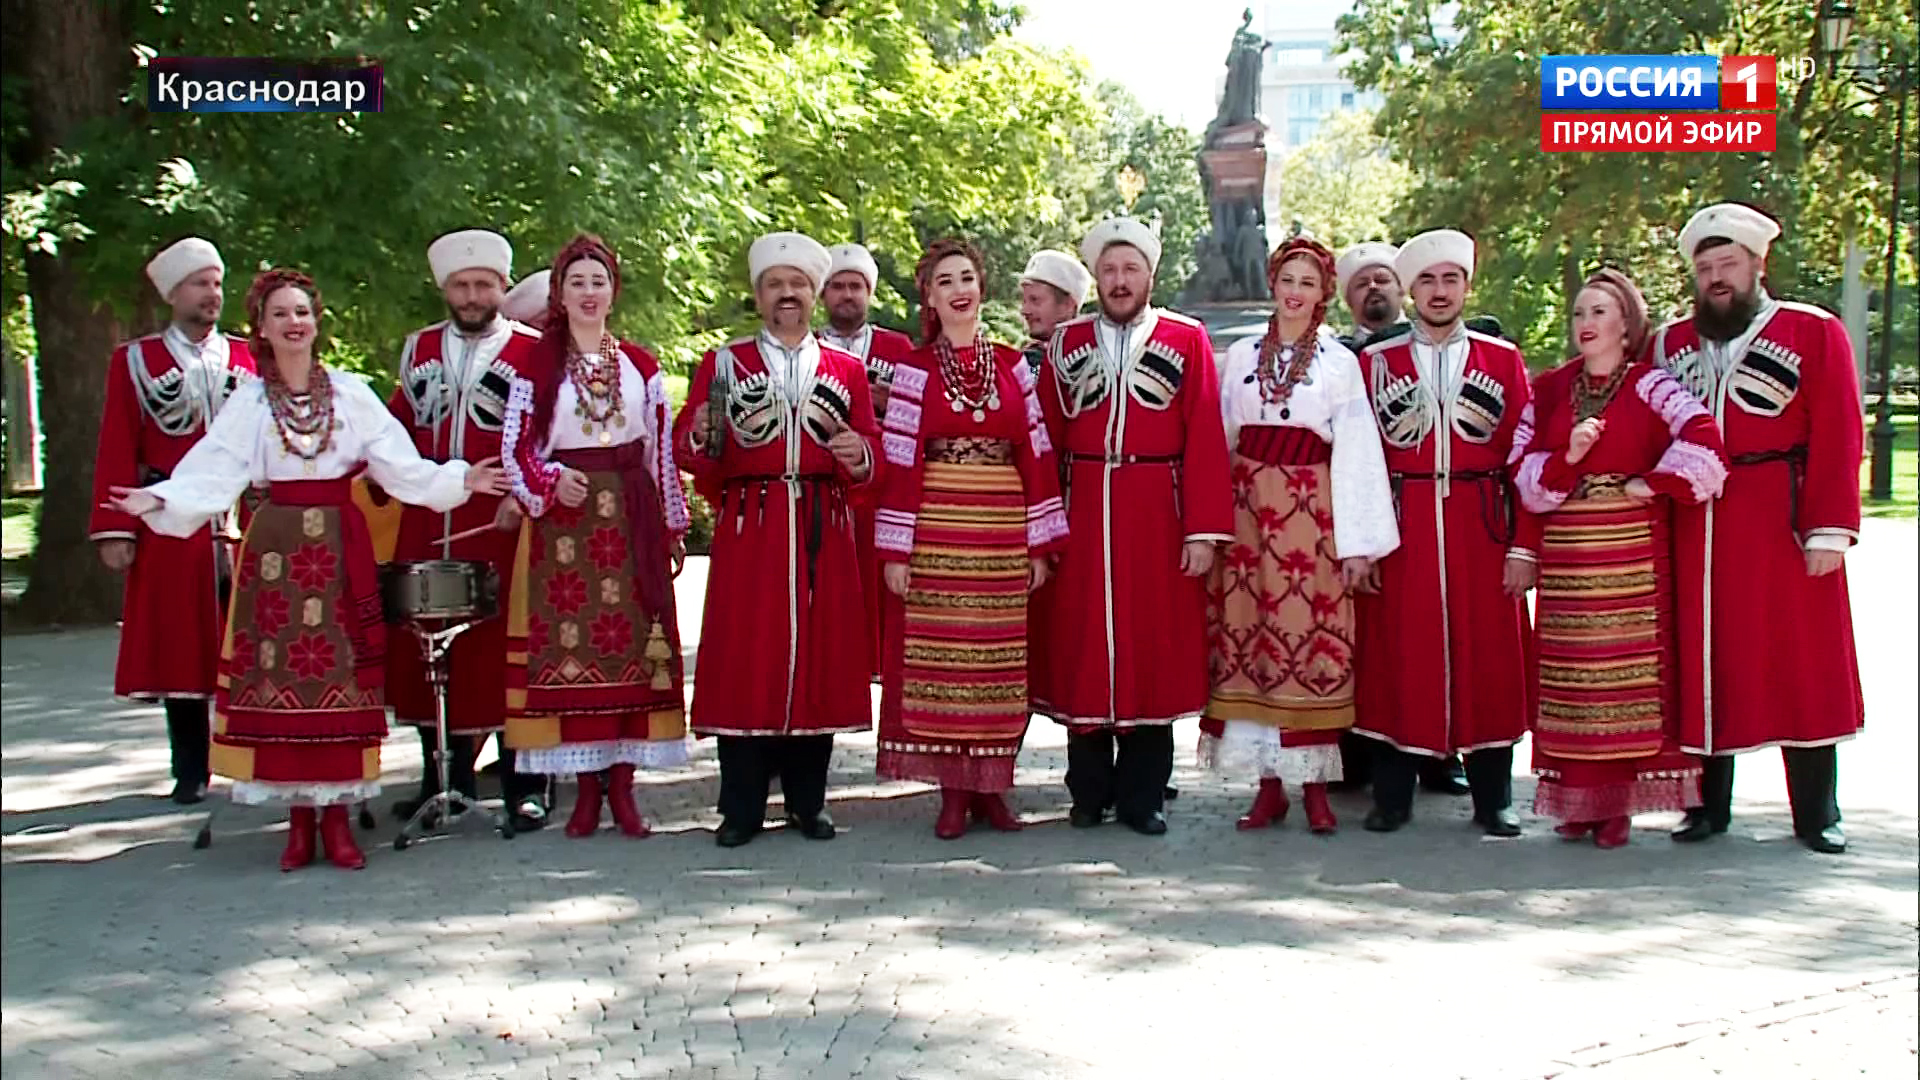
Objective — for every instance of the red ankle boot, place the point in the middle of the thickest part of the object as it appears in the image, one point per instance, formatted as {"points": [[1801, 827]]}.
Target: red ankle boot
{"points": [[620, 800], [993, 810], [300, 832], [586, 806], [1319, 815], [1613, 832], [1269, 806], [952, 823], [336, 832]]}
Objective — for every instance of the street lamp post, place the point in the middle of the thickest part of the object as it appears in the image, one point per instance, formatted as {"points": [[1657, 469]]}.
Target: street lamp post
{"points": [[1881, 81]]}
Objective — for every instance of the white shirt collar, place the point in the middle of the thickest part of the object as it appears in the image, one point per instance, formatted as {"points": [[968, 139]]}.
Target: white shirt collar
{"points": [[211, 349], [792, 366], [855, 343]]}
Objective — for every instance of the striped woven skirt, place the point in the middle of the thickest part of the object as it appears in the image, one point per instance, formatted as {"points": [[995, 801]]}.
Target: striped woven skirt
{"points": [[300, 711], [953, 707], [1605, 739]]}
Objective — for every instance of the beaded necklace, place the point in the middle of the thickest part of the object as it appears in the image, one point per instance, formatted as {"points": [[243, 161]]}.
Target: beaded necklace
{"points": [[596, 389], [968, 384], [1277, 382], [305, 421], [1589, 400]]}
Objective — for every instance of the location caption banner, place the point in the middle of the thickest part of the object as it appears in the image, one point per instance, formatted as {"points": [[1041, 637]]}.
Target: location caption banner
{"points": [[231, 84], [1715, 133]]}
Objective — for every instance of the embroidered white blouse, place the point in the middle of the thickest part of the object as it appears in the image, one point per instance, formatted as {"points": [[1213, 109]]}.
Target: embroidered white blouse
{"points": [[1330, 401], [242, 448]]}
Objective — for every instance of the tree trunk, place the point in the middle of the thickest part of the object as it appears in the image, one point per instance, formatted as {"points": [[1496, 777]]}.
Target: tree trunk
{"points": [[23, 425], [77, 59], [1570, 281]]}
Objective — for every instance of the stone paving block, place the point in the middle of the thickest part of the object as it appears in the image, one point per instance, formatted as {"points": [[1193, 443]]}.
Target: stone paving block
{"points": [[890, 955]]}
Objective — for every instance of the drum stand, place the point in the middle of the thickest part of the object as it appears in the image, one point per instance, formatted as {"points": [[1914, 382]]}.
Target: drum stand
{"points": [[447, 807]]}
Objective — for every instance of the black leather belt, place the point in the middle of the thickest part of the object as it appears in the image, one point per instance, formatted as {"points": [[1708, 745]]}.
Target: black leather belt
{"points": [[1795, 458], [1497, 510]]}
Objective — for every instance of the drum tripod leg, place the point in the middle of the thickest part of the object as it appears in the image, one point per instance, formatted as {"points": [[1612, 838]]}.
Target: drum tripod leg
{"points": [[204, 838]]}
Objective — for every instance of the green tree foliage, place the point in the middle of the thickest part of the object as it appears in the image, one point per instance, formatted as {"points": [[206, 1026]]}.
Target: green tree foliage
{"points": [[1342, 186], [1464, 116], [677, 129]]}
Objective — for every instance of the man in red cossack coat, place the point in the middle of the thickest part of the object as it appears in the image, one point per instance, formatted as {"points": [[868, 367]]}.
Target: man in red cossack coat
{"points": [[455, 376], [1444, 662], [779, 434], [1132, 403], [1052, 288], [852, 277], [163, 391], [1765, 563]]}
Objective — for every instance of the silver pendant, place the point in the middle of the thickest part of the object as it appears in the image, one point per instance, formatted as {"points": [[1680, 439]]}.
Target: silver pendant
{"points": [[979, 416], [306, 442], [955, 402]]}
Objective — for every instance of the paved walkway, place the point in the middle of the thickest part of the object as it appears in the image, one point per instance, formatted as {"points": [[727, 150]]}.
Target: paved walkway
{"points": [[1054, 953]]}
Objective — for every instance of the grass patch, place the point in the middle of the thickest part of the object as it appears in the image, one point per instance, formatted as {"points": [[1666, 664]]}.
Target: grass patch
{"points": [[19, 523], [1906, 472]]}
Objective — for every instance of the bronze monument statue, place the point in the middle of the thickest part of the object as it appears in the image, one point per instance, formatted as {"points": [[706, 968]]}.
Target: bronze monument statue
{"points": [[1233, 171]]}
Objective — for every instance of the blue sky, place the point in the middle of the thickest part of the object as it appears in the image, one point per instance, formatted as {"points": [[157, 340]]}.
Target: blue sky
{"points": [[1170, 53]]}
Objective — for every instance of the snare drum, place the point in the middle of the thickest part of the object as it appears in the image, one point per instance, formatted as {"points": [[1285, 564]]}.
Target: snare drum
{"points": [[439, 589]]}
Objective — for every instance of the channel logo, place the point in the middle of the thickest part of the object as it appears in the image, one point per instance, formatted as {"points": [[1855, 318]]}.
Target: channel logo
{"points": [[1657, 83]]}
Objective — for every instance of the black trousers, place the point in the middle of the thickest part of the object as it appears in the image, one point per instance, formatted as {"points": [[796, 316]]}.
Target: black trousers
{"points": [[1356, 763], [1126, 769], [188, 737], [1813, 776], [1489, 774], [462, 752], [748, 764]]}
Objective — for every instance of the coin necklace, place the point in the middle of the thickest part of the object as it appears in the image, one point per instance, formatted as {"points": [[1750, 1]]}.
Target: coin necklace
{"points": [[596, 389], [969, 384]]}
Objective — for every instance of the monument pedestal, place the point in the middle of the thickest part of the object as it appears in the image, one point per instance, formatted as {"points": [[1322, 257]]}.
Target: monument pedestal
{"points": [[1229, 321]]}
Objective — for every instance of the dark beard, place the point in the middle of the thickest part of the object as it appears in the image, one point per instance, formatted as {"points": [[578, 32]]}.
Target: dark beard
{"points": [[1722, 327], [466, 327], [1377, 309]]}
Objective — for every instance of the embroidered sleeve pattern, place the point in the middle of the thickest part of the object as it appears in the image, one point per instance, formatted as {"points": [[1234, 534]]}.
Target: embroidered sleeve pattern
{"points": [[1535, 493], [1037, 436], [1694, 466], [898, 513], [1544, 480], [666, 474], [901, 440], [1522, 435], [1039, 473], [533, 478]]}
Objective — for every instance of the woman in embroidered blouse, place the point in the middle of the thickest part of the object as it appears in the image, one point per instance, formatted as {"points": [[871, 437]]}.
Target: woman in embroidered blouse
{"points": [[594, 676], [301, 704], [969, 512], [1611, 442], [1313, 510]]}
